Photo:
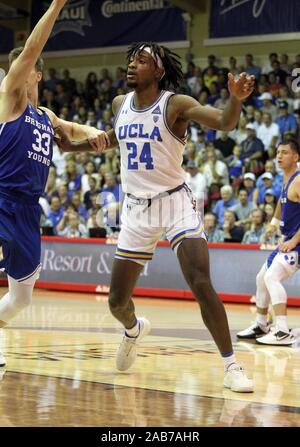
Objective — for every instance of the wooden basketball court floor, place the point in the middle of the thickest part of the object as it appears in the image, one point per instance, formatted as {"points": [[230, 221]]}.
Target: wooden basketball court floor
{"points": [[61, 369]]}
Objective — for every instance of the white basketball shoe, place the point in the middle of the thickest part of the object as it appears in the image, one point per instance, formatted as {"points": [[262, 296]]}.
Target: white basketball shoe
{"points": [[127, 351], [236, 379]]}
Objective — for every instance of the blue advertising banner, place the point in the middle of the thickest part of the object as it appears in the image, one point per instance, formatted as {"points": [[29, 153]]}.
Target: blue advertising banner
{"points": [[6, 40], [97, 23], [232, 18]]}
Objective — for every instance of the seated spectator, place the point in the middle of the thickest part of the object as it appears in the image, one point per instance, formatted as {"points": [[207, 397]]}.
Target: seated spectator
{"points": [[267, 105], [250, 68], [284, 95], [279, 74], [232, 232], [268, 67], [214, 170], [111, 190], [270, 166], [56, 211], [64, 195], [256, 232], [79, 208], [257, 119], [211, 59], [233, 66], [268, 132], [213, 234], [252, 150], [267, 183], [197, 183], [213, 93], [224, 98], [95, 224], [70, 226], [249, 180], [209, 77], [90, 171], [270, 197], [225, 144], [235, 164], [73, 179], [243, 208], [286, 121], [227, 201], [239, 134], [269, 209], [93, 190]]}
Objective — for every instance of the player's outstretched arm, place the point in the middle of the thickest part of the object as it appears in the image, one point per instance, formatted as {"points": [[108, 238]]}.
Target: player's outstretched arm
{"points": [[188, 109], [108, 141], [22, 66], [77, 132]]}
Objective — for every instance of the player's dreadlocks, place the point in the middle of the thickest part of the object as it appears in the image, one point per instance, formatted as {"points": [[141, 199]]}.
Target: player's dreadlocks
{"points": [[171, 63]]}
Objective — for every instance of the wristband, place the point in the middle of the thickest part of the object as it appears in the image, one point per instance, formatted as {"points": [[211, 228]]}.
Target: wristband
{"points": [[275, 222]]}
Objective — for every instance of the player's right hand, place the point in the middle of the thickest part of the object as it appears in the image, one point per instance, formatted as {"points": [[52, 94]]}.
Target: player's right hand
{"points": [[61, 139]]}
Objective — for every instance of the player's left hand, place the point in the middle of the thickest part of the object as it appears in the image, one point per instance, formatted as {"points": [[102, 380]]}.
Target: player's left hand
{"points": [[242, 86], [287, 246], [98, 139]]}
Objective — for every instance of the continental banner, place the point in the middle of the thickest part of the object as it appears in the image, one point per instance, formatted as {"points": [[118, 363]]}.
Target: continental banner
{"points": [[96, 23]]}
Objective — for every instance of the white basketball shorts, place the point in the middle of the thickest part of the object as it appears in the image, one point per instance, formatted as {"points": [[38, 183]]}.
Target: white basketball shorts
{"points": [[144, 222]]}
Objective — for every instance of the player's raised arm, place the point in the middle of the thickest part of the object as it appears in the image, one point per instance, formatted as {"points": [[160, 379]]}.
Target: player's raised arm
{"points": [[189, 109], [21, 67]]}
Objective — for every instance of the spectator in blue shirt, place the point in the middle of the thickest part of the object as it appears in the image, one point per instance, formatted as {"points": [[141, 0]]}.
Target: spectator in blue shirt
{"points": [[259, 194], [257, 230], [79, 207], [235, 163], [225, 203], [250, 68], [277, 176], [57, 211], [286, 121]]}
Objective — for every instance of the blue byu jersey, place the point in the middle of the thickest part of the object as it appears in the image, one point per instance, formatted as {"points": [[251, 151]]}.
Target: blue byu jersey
{"points": [[26, 149], [290, 223], [290, 212]]}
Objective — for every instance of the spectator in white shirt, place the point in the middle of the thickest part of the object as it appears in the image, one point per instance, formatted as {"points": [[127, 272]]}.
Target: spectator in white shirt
{"points": [[268, 105], [214, 170], [268, 132], [196, 181]]}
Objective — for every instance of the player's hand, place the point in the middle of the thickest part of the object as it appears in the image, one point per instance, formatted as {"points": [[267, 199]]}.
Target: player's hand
{"points": [[61, 139], [98, 139], [242, 86], [287, 246]]}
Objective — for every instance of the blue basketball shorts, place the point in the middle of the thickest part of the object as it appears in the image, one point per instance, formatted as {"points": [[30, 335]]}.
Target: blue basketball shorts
{"points": [[20, 238]]}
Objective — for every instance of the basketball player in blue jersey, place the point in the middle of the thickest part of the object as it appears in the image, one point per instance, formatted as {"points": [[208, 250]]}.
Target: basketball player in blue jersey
{"points": [[26, 137], [150, 129], [284, 261]]}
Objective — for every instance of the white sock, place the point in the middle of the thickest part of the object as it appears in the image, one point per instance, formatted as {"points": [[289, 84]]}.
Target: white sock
{"points": [[134, 331], [262, 320], [281, 323], [228, 359]]}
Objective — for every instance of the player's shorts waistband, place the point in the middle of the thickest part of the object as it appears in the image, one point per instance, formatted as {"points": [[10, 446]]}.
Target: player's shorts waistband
{"points": [[18, 197], [162, 194]]}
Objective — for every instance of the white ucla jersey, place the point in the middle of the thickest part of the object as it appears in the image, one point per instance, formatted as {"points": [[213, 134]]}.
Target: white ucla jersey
{"points": [[151, 155]]}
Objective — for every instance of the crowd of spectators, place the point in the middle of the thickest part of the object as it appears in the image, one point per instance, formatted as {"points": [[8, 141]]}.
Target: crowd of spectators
{"points": [[234, 175]]}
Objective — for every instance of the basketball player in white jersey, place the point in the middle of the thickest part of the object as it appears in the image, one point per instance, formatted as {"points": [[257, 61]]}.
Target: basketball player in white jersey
{"points": [[150, 129]]}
